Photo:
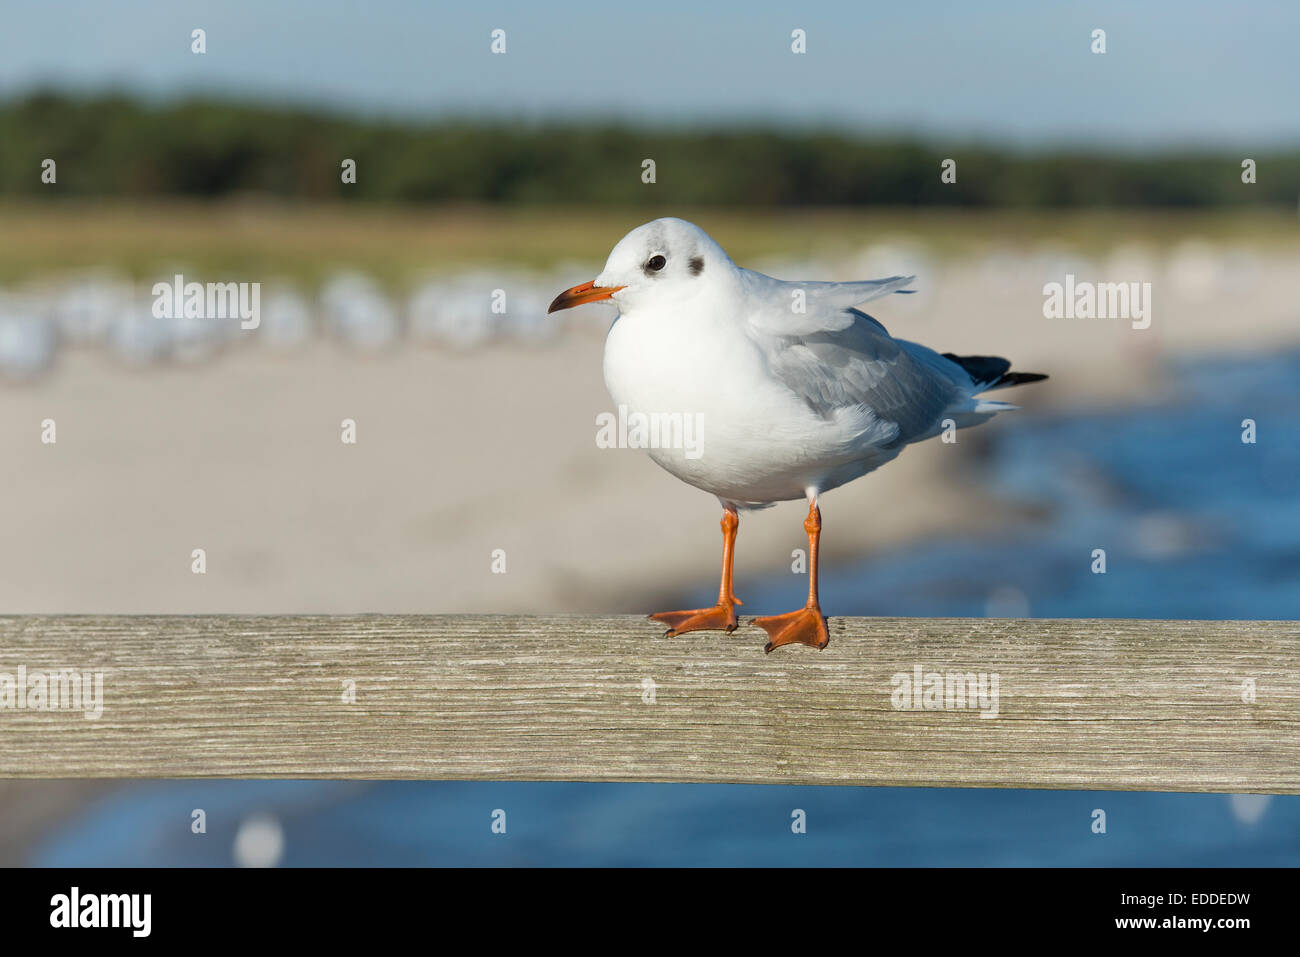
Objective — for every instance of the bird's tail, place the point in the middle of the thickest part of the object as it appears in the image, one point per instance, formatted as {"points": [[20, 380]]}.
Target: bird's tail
{"points": [[987, 373]]}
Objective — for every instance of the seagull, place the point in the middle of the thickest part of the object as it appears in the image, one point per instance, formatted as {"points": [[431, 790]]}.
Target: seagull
{"points": [[795, 390]]}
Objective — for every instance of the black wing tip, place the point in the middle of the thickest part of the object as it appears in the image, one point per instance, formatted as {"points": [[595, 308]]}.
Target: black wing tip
{"points": [[993, 372], [1020, 378]]}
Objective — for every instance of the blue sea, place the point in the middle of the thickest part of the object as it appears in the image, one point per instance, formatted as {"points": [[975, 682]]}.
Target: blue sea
{"points": [[1194, 522]]}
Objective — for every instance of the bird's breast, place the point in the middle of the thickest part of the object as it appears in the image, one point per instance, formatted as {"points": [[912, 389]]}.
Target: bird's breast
{"points": [[698, 399], [662, 365]]}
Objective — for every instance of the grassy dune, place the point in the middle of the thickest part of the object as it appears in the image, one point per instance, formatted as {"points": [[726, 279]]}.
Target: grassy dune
{"points": [[257, 238]]}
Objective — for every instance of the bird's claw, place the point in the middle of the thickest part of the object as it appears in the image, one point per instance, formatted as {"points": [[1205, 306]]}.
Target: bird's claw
{"points": [[807, 626], [721, 617]]}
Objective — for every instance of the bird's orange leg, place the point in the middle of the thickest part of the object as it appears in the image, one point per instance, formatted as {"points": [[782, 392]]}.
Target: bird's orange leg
{"points": [[807, 626], [722, 616]]}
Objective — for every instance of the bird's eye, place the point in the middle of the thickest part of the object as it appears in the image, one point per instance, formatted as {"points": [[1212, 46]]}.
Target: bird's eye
{"points": [[656, 263]]}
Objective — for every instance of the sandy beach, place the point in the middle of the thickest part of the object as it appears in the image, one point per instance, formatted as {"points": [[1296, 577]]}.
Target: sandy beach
{"points": [[459, 454]]}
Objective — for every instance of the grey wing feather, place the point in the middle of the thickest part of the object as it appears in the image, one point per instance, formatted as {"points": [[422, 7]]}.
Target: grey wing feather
{"points": [[799, 308], [861, 366]]}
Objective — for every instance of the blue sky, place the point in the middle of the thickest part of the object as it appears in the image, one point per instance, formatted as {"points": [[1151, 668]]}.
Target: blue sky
{"points": [[1206, 73]]}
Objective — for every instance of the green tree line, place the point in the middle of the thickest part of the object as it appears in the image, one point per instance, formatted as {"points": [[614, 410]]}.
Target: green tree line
{"points": [[114, 146]]}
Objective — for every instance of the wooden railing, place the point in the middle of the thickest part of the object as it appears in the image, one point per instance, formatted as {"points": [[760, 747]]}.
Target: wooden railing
{"points": [[1128, 705]]}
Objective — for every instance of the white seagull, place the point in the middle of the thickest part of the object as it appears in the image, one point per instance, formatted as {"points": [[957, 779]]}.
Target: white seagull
{"points": [[796, 392]]}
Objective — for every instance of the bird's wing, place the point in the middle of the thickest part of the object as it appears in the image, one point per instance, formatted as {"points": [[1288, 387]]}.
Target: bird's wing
{"points": [[850, 364], [782, 308]]}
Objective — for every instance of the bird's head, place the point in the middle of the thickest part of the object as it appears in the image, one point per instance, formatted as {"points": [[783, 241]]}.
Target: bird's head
{"points": [[664, 261]]}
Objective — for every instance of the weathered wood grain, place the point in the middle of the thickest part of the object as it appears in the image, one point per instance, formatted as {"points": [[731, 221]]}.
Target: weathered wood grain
{"points": [[1129, 705]]}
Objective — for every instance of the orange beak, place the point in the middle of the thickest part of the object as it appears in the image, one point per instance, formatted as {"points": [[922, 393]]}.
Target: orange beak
{"points": [[587, 292]]}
